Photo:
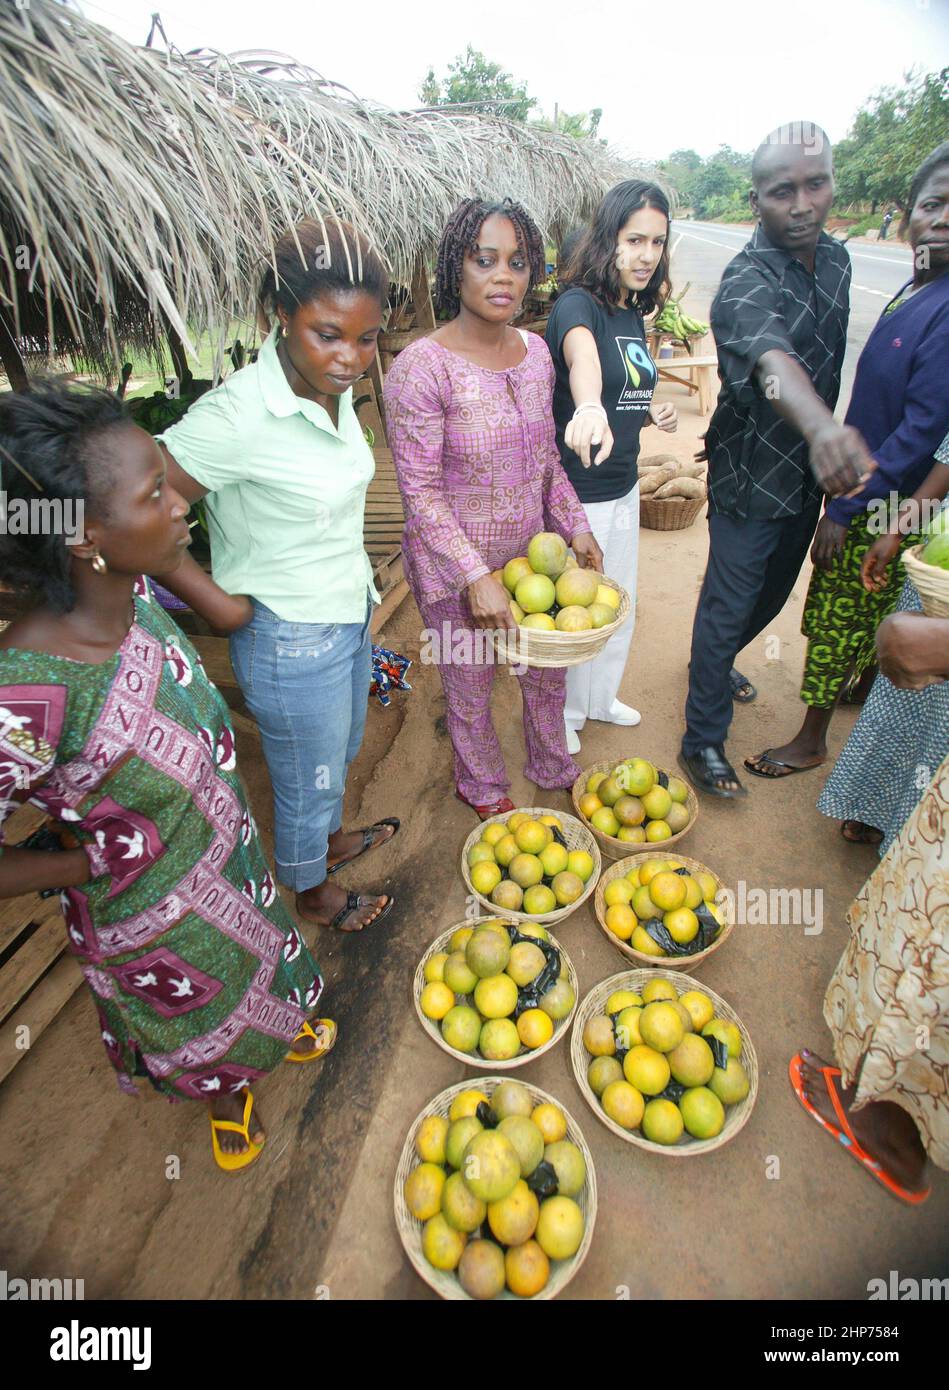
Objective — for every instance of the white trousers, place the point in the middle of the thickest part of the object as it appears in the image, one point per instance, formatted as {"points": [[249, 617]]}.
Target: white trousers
{"points": [[593, 686]]}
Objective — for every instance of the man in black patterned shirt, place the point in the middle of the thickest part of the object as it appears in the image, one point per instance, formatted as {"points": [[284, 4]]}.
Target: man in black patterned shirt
{"points": [[773, 446]]}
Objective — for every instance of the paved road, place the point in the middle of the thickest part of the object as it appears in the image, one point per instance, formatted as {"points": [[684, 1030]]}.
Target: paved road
{"points": [[701, 250]]}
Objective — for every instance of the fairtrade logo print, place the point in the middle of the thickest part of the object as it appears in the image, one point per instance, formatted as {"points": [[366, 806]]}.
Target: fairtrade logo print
{"points": [[638, 363], [640, 370]]}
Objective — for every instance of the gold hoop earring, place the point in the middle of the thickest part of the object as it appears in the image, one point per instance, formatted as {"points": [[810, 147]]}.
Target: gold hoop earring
{"points": [[283, 331], [98, 564]]}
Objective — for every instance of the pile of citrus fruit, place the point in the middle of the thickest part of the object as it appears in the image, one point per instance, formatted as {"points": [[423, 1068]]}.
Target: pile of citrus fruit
{"points": [[663, 1063], [663, 909], [523, 864], [498, 990], [550, 592], [636, 803], [495, 1188]]}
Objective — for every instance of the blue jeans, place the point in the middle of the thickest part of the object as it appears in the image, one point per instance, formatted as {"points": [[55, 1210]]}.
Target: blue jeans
{"points": [[307, 686]]}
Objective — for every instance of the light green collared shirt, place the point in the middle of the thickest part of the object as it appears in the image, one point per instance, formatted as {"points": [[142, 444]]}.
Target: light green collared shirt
{"points": [[286, 493]]}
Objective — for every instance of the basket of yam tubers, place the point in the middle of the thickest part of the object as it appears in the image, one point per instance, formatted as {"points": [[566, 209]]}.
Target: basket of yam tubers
{"points": [[672, 492]]}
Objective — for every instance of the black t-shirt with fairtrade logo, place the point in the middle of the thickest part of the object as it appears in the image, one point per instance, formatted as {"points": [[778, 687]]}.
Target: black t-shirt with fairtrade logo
{"points": [[629, 379]]}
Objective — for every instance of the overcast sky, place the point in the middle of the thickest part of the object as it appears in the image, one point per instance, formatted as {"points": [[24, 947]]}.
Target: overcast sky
{"points": [[685, 73]]}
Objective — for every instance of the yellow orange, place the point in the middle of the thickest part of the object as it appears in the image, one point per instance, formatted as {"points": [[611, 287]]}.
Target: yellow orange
{"points": [[526, 1269], [667, 891], [621, 921], [551, 1122], [465, 1104], [436, 999], [641, 941], [534, 1028], [620, 890], [435, 966]]}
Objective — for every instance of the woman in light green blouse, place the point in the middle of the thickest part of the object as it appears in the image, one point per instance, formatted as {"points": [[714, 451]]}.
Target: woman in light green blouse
{"points": [[278, 452]]}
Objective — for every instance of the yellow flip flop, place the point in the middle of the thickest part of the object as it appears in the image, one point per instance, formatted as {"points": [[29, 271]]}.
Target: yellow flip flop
{"points": [[231, 1163], [325, 1038]]}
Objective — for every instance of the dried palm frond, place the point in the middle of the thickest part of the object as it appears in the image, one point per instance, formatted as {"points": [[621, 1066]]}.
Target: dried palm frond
{"points": [[142, 190]]}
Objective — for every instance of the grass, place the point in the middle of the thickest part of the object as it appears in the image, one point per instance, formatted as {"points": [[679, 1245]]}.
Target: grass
{"points": [[149, 379]]}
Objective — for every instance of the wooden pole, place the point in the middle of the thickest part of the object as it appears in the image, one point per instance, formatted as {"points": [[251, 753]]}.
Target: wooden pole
{"points": [[374, 373], [10, 357], [179, 357], [422, 297]]}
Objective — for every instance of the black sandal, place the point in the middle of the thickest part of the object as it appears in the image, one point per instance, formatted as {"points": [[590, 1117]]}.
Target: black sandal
{"points": [[354, 902], [739, 684], [760, 761], [368, 841], [709, 767]]}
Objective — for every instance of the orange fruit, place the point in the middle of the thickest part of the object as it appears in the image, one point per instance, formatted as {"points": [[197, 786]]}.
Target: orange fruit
{"points": [[668, 891], [598, 1038], [436, 999], [621, 921], [620, 890], [534, 1028], [526, 1269], [551, 1122], [623, 1103], [531, 837], [682, 925]]}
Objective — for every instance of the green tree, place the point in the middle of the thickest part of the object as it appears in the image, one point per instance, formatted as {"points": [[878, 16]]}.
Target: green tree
{"points": [[712, 185], [582, 125], [473, 81], [890, 137]]}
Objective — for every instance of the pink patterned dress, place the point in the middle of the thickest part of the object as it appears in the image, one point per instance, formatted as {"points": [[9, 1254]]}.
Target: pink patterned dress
{"points": [[200, 978], [480, 473]]}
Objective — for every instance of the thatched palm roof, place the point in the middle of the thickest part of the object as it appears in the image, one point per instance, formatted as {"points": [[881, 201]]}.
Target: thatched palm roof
{"points": [[147, 186]]}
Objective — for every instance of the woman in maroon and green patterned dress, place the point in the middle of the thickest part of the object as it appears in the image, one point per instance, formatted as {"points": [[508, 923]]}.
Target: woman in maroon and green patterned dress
{"points": [[108, 722]]}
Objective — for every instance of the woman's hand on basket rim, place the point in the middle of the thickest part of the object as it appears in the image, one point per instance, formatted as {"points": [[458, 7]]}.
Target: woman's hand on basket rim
{"points": [[588, 553]]}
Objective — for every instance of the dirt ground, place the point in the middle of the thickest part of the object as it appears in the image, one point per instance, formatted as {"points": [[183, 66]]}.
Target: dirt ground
{"points": [[88, 1186]]}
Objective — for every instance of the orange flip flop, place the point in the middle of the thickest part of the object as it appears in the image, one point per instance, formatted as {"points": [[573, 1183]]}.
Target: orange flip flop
{"points": [[232, 1163], [845, 1134], [325, 1037]]}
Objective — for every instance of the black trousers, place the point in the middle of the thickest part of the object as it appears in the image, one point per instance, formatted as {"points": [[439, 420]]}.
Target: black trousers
{"points": [[752, 567]]}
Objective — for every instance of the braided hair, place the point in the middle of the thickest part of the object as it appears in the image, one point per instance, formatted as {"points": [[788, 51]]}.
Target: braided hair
{"points": [[461, 236]]}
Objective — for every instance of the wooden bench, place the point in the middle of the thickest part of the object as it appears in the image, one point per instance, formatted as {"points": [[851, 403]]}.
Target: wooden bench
{"points": [[385, 521], [704, 370], [36, 977]]}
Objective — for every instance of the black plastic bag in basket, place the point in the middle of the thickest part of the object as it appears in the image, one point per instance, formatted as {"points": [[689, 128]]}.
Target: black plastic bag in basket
{"points": [[530, 995]]}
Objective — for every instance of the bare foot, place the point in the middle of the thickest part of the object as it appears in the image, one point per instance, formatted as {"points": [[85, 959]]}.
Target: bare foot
{"points": [[346, 845], [321, 904], [232, 1108], [325, 1030], [795, 756], [883, 1130], [859, 833]]}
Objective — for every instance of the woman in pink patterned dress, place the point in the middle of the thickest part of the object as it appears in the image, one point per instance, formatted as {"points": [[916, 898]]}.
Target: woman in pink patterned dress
{"points": [[468, 413]]}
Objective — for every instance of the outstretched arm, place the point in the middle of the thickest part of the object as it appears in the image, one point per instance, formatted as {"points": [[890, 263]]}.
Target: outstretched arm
{"points": [[840, 460]]}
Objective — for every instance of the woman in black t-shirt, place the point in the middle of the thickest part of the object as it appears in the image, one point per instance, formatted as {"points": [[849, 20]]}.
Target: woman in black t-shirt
{"points": [[605, 379]]}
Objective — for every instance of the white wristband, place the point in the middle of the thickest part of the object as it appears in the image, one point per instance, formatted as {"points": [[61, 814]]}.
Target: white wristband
{"points": [[591, 405]]}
